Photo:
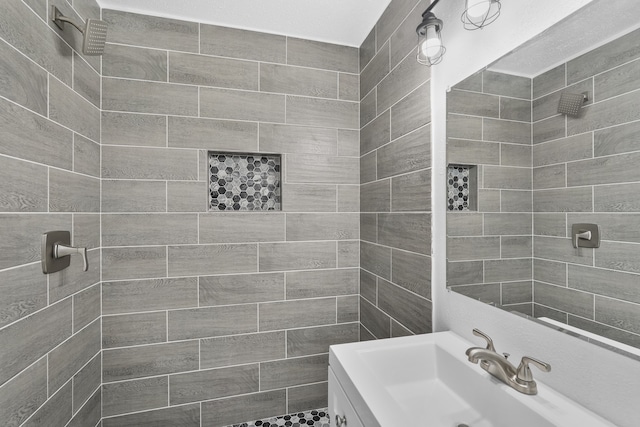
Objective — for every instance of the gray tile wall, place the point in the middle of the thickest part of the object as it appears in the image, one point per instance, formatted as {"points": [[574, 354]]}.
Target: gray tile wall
{"points": [[192, 298], [489, 250], [395, 177], [50, 364], [586, 171], [228, 313]]}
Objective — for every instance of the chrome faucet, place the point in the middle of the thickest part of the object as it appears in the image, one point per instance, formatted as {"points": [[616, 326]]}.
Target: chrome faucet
{"points": [[519, 378]]}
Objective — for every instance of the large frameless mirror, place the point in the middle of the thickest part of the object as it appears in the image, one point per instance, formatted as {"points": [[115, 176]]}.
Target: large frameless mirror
{"points": [[541, 143]]}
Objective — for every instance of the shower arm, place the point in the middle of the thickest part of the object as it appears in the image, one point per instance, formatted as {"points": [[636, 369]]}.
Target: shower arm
{"points": [[59, 19]]}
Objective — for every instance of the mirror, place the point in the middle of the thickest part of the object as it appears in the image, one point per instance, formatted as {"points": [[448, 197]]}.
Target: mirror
{"points": [[520, 174]]}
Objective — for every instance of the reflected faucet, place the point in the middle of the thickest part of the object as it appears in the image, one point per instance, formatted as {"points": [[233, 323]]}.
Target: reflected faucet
{"points": [[520, 378]]}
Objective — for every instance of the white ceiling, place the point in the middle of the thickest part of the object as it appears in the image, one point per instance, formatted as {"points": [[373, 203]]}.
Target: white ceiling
{"points": [[594, 25], [344, 22]]}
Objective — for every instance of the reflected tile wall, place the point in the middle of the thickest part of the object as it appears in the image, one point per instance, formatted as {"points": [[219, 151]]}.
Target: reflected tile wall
{"points": [[594, 154], [580, 171], [489, 250]]}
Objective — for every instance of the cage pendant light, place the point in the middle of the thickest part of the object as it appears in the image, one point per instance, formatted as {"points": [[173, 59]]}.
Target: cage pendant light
{"points": [[480, 13], [430, 47]]}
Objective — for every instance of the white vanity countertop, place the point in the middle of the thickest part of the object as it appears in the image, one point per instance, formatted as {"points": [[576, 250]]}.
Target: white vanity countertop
{"points": [[384, 380]]}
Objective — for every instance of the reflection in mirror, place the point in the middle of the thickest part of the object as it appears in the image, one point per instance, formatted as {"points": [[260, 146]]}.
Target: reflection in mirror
{"points": [[538, 172]]}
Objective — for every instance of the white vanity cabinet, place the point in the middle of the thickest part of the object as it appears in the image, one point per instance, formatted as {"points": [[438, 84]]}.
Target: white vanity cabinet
{"points": [[341, 410]]}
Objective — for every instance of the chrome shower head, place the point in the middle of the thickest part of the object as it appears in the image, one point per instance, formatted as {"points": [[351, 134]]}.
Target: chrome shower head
{"points": [[95, 37], [570, 103], [94, 32]]}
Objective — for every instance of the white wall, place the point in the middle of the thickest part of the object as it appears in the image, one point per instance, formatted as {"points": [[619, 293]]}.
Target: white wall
{"points": [[605, 382]]}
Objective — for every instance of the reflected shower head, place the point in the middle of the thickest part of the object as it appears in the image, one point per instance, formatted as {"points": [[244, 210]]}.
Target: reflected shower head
{"points": [[94, 32], [570, 103]]}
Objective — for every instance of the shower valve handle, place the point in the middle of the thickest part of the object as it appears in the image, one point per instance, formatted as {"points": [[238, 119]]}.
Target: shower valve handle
{"points": [[60, 250], [586, 235]]}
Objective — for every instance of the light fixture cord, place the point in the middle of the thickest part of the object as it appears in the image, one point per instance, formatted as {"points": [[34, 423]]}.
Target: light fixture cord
{"points": [[431, 6]]}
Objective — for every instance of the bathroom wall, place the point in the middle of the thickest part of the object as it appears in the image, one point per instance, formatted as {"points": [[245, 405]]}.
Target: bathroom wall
{"points": [[395, 173], [599, 379], [226, 316], [585, 170], [50, 363], [489, 246]]}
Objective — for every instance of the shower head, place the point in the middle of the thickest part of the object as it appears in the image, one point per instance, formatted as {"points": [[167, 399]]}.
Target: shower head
{"points": [[95, 36], [94, 32], [570, 103]]}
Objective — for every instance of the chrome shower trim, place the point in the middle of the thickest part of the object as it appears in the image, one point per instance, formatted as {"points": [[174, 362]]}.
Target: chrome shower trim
{"points": [[94, 32]]}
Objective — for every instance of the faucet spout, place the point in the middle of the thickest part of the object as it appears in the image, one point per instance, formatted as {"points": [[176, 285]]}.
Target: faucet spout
{"points": [[476, 354], [492, 362]]}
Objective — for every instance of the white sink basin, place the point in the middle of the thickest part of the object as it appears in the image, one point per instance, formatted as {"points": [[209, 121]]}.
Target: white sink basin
{"points": [[426, 380]]}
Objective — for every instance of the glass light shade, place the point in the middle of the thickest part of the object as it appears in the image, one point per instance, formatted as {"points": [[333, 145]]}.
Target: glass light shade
{"points": [[430, 47], [432, 43], [480, 13], [477, 9]]}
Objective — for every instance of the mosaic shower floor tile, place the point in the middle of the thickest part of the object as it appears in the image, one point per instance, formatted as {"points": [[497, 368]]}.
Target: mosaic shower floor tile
{"points": [[315, 418]]}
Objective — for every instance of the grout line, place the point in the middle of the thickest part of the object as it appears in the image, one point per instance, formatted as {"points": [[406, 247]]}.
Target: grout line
{"points": [[153, 278], [48, 96], [367, 329], [168, 390], [224, 88], [286, 399], [222, 337], [206, 118], [417, 130], [210, 55], [260, 376]]}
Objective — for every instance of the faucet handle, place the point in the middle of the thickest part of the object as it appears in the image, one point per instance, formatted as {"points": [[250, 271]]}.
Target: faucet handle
{"points": [[523, 374], [479, 333], [60, 250]]}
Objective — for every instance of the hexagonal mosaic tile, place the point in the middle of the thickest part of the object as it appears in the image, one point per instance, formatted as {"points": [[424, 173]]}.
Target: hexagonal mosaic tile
{"points": [[458, 188], [244, 182], [315, 418]]}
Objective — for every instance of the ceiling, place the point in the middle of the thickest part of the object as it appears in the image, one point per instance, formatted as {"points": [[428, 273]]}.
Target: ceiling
{"points": [[594, 25], [344, 22]]}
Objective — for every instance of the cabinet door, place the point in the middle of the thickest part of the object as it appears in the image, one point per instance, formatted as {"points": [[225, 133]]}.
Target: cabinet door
{"points": [[339, 405]]}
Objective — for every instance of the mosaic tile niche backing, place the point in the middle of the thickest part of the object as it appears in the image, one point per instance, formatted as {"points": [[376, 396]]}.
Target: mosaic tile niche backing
{"points": [[458, 183], [244, 182], [315, 418]]}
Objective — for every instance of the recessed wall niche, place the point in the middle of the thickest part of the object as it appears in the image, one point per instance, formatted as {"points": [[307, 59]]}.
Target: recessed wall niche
{"points": [[462, 188], [244, 182]]}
